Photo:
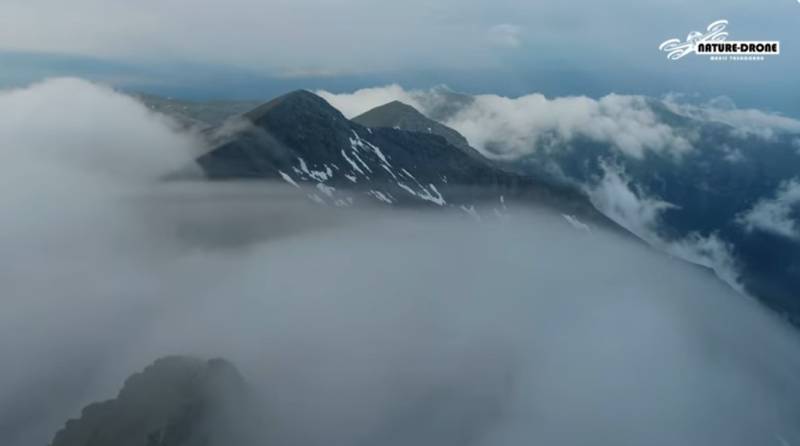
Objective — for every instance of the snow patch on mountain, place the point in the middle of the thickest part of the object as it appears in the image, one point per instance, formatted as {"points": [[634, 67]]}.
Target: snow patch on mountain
{"points": [[325, 189], [381, 196]]}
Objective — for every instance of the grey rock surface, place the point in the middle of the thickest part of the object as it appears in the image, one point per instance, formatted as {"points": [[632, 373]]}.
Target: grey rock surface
{"points": [[176, 401]]}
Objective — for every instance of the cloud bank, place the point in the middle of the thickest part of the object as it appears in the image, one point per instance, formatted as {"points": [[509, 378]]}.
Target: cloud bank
{"points": [[657, 137], [357, 327], [75, 155], [747, 122], [513, 127], [104, 133], [504, 127]]}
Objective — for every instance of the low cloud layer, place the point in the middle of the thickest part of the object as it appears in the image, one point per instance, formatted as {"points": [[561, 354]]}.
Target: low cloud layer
{"points": [[616, 196], [98, 131], [76, 156], [778, 214], [514, 127], [360, 327], [746, 121], [662, 140]]}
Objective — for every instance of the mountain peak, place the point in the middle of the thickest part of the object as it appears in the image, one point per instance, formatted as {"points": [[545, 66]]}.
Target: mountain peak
{"points": [[399, 106], [298, 102], [175, 401], [394, 110], [399, 115]]}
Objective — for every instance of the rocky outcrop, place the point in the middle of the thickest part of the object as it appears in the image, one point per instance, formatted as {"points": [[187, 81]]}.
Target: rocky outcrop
{"points": [[176, 401]]}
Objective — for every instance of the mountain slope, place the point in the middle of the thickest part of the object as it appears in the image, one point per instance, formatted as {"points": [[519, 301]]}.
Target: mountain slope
{"points": [[401, 116]]}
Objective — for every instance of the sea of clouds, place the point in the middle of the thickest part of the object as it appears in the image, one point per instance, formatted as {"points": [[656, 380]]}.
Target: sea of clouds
{"points": [[365, 326]]}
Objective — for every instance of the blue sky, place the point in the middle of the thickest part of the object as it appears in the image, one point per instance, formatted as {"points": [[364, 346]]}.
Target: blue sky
{"points": [[256, 49]]}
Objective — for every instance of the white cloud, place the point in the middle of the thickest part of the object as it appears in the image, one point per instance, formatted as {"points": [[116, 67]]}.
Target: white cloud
{"points": [[358, 102], [746, 122], [617, 197], [513, 127], [494, 337], [69, 145], [517, 126], [505, 35], [92, 128], [709, 251], [732, 154], [774, 215]]}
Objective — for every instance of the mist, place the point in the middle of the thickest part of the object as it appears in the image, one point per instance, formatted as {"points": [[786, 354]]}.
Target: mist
{"points": [[357, 326]]}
